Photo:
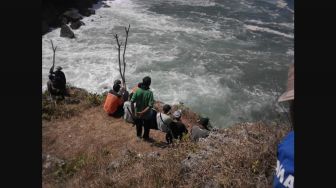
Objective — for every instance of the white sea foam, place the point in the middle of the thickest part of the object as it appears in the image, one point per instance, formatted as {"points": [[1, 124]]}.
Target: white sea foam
{"points": [[268, 30], [259, 22], [203, 3], [174, 51]]}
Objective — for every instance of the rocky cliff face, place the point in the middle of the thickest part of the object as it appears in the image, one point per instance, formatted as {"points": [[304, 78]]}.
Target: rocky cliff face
{"points": [[53, 11]]}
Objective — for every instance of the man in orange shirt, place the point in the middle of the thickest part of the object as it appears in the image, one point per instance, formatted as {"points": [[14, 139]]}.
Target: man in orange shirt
{"points": [[114, 102]]}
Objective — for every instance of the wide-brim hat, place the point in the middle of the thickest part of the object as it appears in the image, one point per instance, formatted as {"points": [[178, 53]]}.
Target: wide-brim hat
{"points": [[289, 94]]}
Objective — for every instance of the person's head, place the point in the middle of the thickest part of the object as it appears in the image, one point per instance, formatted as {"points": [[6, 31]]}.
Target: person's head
{"points": [[58, 68], [116, 87], [117, 82], [139, 84], [204, 121], [177, 115], [166, 108], [288, 96], [146, 81]]}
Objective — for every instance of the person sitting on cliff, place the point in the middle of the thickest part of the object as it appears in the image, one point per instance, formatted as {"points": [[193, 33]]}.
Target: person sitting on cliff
{"points": [[123, 91], [201, 131], [284, 175], [113, 105], [178, 128], [57, 82], [164, 122]]}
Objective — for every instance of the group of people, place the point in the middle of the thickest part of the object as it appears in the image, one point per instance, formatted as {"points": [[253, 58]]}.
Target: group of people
{"points": [[137, 107]]}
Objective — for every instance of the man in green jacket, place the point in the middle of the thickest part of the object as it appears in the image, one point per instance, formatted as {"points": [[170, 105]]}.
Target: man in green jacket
{"points": [[144, 100]]}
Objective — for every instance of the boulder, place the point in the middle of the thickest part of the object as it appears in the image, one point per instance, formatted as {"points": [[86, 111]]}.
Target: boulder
{"points": [[76, 25], [87, 12], [72, 15], [63, 20], [67, 32], [106, 6]]}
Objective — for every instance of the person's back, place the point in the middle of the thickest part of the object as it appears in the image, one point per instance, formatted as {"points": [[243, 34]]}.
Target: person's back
{"points": [[178, 128], [143, 99], [198, 132], [163, 125], [59, 78], [113, 101]]}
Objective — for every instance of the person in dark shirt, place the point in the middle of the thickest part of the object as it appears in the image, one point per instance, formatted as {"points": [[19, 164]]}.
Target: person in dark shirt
{"points": [[57, 84], [178, 128]]}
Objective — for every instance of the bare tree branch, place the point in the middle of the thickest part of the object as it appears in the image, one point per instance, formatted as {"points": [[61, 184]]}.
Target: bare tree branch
{"points": [[126, 30], [54, 52], [118, 44]]}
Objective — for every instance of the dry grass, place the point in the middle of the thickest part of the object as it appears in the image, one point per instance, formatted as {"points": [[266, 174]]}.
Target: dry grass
{"points": [[78, 101], [90, 149]]}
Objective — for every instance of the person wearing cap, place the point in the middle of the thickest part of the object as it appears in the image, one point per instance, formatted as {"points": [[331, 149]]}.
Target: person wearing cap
{"points": [[201, 131], [284, 173], [178, 128], [163, 119], [144, 100], [58, 81], [113, 105]]}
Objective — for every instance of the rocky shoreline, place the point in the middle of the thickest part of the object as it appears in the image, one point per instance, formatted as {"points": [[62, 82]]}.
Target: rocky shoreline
{"points": [[59, 13]]}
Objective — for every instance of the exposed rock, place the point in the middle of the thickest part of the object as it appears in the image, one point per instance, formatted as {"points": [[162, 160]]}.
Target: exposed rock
{"points": [[64, 20], [113, 165], [153, 154], [77, 24], [50, 162], [67, 32], [72, 15], [106, 6], [87, 12]]}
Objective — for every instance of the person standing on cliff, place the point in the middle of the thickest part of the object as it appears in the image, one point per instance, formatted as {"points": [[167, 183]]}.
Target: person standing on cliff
{"points": [[57, 84], [284, 175], [144, 99]]}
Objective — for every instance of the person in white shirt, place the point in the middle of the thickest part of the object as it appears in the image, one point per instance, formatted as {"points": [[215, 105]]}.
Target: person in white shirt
{"points": [[163, 119], [165, 123]]}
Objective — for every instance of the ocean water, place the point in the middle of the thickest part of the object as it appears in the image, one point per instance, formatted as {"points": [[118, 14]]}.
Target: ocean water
{"points": [[226, 59]]}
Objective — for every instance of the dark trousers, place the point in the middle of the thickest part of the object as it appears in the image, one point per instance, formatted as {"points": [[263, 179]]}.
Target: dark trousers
{"points": [[119, 112], [145, 124]]}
